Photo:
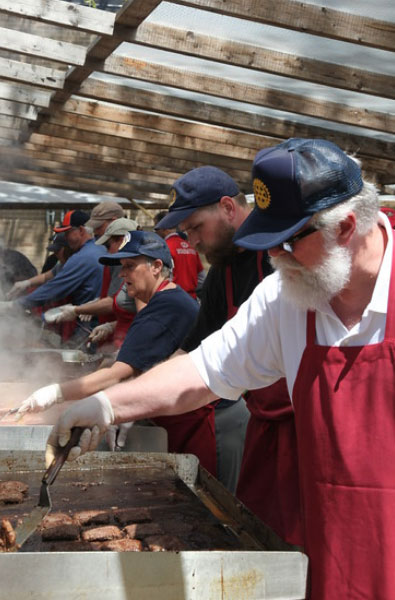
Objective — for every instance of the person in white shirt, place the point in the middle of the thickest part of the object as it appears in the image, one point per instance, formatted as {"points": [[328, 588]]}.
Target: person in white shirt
{"points": [[326, 322]]}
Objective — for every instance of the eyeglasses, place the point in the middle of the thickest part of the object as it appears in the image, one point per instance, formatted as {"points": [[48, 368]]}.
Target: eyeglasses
{"points": [[288, 245]]}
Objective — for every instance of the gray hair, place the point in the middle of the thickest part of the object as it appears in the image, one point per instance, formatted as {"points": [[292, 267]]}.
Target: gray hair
{"points": [[165, 271], [365, 205]]}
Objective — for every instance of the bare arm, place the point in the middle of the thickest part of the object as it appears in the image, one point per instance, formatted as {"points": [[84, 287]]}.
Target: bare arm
{"points": [[171, 388], [76, 389]]}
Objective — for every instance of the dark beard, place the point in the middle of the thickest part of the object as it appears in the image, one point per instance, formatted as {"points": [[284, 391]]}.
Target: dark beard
{"points": [[220, 257], [224, 251]]}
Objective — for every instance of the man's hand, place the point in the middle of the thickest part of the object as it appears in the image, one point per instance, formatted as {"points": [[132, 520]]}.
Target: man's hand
{"points": [[95, 414], [18, 288], [117, 434], [41, 399], [67, 314], [102, 332]]}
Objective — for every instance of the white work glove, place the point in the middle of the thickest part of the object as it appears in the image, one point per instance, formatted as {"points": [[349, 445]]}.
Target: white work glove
{"points": [[116, 435], [93, 413], [85, 318], [18, 288], [102, 332], [41, 399], [67, 314]]}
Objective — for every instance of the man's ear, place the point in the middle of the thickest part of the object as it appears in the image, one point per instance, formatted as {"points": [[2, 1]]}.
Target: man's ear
{"points": [[346, 229], [157, 265], [227, 205]]}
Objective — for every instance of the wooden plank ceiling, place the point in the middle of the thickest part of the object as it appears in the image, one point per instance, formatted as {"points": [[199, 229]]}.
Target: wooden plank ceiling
{"points": [[123, 103]]}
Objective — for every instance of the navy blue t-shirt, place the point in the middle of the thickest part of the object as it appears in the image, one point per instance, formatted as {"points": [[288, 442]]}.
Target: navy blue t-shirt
{"points": [[158, 329]]}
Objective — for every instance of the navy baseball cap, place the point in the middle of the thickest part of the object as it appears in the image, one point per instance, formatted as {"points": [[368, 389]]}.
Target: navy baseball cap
{"points": [[291, 182], [197, 188], [73, 218], [140, 243], [58, 241]]}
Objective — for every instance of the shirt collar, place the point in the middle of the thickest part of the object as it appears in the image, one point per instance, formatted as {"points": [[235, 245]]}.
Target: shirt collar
{"points": [[379, 300]]}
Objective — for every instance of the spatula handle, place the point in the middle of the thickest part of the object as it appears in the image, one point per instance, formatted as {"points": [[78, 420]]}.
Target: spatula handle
{"points": [[52, 472]]}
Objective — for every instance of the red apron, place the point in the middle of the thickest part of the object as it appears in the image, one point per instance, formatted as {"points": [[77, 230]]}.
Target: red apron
{"points": [[192, 432], [269, 479], [344, 408], [105, 286], [124, 321]]}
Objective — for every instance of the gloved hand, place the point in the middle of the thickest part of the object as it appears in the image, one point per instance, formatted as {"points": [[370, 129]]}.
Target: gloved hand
{"points": [[41, 399], [102, 332], [85, 318], [95, 413], [116, 435], [18, 288], [67, 314]]}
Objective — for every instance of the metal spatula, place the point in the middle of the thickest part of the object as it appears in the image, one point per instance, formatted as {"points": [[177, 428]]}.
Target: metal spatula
{"points": [[30, 524]]}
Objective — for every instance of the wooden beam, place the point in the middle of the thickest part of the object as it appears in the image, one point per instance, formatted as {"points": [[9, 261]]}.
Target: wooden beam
{"points": [[127, 66], [17, 109], [66, 14], [34, 45], [259, 58], [41, 77], [274, 128], [25, 94], [307, 18], [206, 111]]}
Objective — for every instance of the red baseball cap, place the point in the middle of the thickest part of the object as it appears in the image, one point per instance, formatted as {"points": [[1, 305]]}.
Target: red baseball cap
{"points": [[73, 218]]}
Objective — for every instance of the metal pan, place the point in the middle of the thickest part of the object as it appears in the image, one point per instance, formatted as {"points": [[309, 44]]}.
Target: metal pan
{"points": [[67, 356]]}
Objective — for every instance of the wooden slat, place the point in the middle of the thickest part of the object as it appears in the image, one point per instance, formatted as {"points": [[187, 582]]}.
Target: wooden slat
{"points": [[62, 13], [263, 59], [25, 94], [307, 18], [228, 135], [167, 103], [225, 88], [38, 76], [34, 45], [17, 109]]}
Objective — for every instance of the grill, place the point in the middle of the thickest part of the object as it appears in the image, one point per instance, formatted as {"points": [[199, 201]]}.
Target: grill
{"points": [[220, 549]]}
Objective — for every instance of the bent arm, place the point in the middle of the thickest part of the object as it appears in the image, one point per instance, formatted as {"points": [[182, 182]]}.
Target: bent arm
{"points": [[76, 389], [171, 388], [103, 306]]}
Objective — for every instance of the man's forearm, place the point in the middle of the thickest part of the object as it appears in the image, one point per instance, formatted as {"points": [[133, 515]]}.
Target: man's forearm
{"points": [[103, 306], [76, 389], [170, 388]]}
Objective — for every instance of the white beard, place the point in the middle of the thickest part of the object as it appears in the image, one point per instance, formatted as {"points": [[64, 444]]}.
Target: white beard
{"points": [[309, 288]]}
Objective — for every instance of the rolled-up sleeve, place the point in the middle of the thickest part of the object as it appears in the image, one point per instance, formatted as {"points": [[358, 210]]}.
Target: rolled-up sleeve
{"points": [[245, 353]]}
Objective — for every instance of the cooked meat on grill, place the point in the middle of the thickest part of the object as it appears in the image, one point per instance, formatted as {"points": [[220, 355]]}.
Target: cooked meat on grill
{"points": [[132, 515], [61, 532], [7, 536], [12, 492], [59, 526], [125, 545], [160, 543], [140, 530], [56, 519], [92, 517], [101, 534]]}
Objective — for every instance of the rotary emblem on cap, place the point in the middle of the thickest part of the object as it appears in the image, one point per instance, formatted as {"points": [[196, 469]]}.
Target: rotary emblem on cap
{"points": [[172, 197], [261, 194], [125, 240]]}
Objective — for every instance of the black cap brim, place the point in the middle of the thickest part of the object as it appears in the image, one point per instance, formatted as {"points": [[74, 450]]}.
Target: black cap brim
{"points": [[261, 232], [174, 218]]}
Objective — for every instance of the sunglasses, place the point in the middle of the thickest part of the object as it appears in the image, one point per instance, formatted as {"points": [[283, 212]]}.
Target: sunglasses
{"points": [[288, 245]]}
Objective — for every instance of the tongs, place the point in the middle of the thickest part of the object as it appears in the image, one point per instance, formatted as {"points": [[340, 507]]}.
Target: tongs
{"points": [[32, 521]]}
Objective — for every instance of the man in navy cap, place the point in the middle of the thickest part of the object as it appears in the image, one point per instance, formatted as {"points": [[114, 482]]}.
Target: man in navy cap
{"points": [[80, 279], [256, 441], [326, 321]]}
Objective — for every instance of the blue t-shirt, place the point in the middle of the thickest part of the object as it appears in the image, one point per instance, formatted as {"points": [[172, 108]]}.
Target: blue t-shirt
{"points": [[158, 329], [80, 279]]}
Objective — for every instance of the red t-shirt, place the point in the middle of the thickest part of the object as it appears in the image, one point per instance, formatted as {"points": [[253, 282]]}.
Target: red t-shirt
{"points": [[187, 263]]}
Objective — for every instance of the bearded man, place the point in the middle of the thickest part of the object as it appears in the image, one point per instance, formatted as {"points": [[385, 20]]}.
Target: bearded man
{"points": [[331, 336]]}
